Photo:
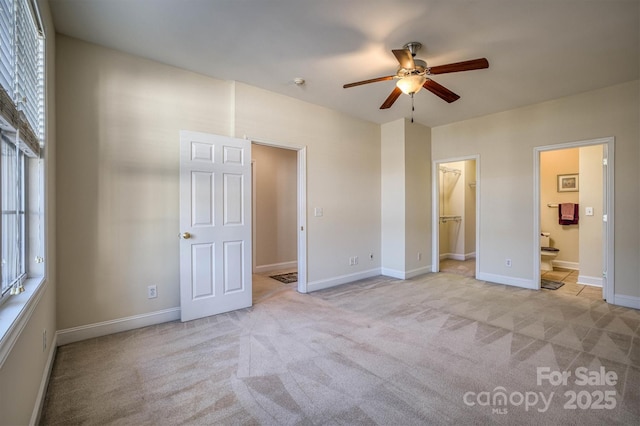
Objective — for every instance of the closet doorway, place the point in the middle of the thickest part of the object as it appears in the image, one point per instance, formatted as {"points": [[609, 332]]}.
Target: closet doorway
{"points": [[455, 244]]}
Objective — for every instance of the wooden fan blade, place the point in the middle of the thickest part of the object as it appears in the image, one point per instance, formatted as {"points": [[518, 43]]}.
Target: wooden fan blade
{"points": [[405, 59], [473, 64], [373, 80], [440, 91], [391, 99]]}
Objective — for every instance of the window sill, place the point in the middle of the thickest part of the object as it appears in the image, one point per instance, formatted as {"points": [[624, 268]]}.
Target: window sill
{"points": [[16, 312]]}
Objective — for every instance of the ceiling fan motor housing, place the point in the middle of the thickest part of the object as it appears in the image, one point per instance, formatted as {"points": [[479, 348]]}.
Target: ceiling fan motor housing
{"points": [[420, 67]]}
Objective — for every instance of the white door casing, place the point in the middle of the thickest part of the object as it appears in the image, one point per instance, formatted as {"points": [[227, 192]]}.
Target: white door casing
{"points": [[215, 224]]}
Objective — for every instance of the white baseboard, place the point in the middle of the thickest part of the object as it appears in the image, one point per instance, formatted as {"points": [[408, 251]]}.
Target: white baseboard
{"points": [[593, 281], [393, 273], [503, 279], [458, 256], [343, 279], [626, 301], [402, 275], [275, 267], [419, 271], [89, 331], [42, 391], [574, 266]]}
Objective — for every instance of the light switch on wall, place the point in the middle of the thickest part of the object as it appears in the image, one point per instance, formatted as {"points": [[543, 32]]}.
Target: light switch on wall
{"points": [[588, 211], [318, 212]]}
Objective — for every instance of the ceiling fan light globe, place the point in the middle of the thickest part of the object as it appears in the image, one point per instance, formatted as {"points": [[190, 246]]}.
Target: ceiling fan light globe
{"points": [[411, 84]]}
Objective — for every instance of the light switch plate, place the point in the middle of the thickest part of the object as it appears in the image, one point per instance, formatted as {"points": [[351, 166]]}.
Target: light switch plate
{"points": [[318, 212], [588, 211]]}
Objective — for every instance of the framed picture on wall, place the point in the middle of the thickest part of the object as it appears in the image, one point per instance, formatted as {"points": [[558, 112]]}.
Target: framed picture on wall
{"points": [[568, 183]]}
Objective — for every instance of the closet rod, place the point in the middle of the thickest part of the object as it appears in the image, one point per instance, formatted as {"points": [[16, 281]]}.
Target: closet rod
{"points": [[445, 169]]}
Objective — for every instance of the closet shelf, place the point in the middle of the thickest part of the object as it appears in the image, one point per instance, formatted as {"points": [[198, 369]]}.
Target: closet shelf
{"points": [[447, 218]]}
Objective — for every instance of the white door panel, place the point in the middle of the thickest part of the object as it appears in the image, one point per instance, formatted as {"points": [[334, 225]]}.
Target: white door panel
{"points": [[215, 199]]}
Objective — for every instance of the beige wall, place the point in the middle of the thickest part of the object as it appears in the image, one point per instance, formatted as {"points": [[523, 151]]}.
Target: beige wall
{"points": [[275, 209], [563, 237], [119, 119], [418, 202], [406, 198], [24, 369], [118, 160], [591, 195], [393, 196], [505, 143]]}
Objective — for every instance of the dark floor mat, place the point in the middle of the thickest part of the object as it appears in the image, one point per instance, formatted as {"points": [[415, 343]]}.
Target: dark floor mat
{"points": [[286, 278], [551, 285]]}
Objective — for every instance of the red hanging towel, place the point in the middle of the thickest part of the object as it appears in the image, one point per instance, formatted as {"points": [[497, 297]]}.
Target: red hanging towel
{"points": [[566, 211], [562, 210]]}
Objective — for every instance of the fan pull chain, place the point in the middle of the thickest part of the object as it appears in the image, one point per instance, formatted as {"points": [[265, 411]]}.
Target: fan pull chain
{"points": [[413, 108]]}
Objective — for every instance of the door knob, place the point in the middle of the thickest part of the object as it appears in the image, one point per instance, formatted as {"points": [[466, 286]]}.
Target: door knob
{"points": [[185, 235]]}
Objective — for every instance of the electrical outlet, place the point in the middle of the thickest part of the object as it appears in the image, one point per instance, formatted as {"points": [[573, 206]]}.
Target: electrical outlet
{"points": [[370, 256], [152, 292], [507, 262], [419, 256], [355, 260]]}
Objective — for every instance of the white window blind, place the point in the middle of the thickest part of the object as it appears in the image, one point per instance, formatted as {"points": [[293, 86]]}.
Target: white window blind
{"points": [[28, 66], [22, 70], [7, 37]]}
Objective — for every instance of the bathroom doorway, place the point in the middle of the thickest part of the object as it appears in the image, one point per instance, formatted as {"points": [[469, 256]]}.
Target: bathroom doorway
{"points": [[575, 176], [456, 216]]}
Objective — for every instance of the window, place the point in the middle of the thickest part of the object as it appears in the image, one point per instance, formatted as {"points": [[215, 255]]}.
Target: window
{"points": [[12, 194], [21, 138]]}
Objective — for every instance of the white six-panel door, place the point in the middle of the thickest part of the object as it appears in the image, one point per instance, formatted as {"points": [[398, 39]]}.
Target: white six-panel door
{"points": [[215, 224]]}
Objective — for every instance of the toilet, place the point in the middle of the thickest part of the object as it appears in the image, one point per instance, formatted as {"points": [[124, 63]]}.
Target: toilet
{"points": [[547, 253]]}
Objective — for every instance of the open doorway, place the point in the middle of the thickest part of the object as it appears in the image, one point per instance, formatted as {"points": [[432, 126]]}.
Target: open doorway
{"points": [[455, 223], [276, 217], [573, 218]]}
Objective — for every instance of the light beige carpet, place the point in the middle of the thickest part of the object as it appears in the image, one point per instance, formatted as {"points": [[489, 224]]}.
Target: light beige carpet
{"points": [[437, 349]]}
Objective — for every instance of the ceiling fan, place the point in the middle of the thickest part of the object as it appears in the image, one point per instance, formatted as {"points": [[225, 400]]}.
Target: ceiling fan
{"points": [[414, 74]]}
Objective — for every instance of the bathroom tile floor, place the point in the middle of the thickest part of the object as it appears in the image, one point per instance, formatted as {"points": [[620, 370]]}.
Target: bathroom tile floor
{"points": [[571, 287]]}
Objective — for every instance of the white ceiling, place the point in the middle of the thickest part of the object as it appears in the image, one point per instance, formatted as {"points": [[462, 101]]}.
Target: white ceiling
{"points": [[537, 49]]}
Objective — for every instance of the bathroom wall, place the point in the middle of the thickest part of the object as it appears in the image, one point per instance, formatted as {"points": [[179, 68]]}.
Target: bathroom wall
{"points": [[590, 232], [563, 237]]}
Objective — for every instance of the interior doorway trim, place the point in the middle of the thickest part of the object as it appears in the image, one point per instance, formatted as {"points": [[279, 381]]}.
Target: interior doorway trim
{"points": [[302, 205], [608, 206], [435, 215]]}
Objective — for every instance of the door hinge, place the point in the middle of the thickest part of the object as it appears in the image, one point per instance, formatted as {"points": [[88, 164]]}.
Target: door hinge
{"points": [[605, 162], [604, 217]]}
